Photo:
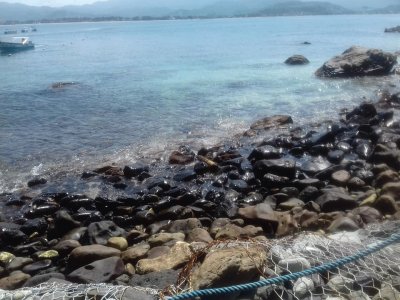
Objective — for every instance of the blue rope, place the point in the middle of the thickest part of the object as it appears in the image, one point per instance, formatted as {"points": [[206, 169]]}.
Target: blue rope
{"points": [[293, 276]]}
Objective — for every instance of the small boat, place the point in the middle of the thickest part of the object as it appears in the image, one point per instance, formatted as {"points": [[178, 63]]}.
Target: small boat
{"points": [[24, 30], [12, 44], [9, 31], [33, 29]]}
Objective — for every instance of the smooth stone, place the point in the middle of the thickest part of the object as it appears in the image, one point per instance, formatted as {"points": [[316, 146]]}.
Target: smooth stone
{"points": [[38, 225], [387, 292], [6, 258], [134, 253], [162, 238], [291, 203], [100, 232], [303, 287], [343, 224], [334, 199], [341, 177], [36, 182], [99, 271], [75, 234], [368, 214], [184, 226], [119, 243], [262, 215], [271, 122], [280, 167], [14, 280], [65, 247], [341, 284], [225, 267], [294, 264], [135, 170], [181, 158], [136, 236], [49, 254], [37, 266], [83, 255], [132, 293], [179, 254], [386, 204], [18, 263], [38, 279]]}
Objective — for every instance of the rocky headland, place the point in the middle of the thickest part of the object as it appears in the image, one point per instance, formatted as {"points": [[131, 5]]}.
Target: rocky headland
{"points": [[147, 221]]}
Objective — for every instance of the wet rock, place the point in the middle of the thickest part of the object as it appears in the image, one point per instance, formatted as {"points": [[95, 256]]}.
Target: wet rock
{"points": [[12, 237], [100, 232], [185, 175], [6, 258], [358, 61], [225, 267], [290, 204], [179, 254], [136, 236], [314, 165], [393, 29], [36, 182], [386, 177], [49, 254], [368, 214], [274, 181], [310, 193], [38, 225], [86, 254], [297, 60], [99, 271], [335, 156], [280, 167], [14, 281], [270, 122], [334, 199], [135, 170], [386, 205], [134, 253], [182, 157], [265, 152], [38, 266]]}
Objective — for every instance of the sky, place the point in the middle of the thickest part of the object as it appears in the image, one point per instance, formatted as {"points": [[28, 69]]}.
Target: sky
{"points": [[55, 3]]}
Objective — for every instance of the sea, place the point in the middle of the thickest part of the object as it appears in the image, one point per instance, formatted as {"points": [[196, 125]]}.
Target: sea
{"points": [[141, 89]]}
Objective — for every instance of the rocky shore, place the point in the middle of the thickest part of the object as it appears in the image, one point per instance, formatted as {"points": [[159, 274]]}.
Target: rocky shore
{"points": [[147, 222]]}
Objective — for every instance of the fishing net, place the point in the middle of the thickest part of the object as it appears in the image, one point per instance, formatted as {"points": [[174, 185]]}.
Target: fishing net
{"points": [[376, 276]]}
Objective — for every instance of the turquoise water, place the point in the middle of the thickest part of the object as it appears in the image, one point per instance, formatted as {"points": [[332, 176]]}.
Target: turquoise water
{"points": [[144, 87]]}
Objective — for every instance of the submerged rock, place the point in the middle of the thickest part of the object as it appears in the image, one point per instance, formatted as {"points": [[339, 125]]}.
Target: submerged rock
{"points": [[358, 61], [297, 60]]}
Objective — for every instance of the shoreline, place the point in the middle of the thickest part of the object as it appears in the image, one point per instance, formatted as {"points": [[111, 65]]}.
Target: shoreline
{"points": [[124, 224]]}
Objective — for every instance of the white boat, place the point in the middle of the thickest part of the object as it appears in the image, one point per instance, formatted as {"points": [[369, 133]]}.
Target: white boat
{"points": [[15, 43]]}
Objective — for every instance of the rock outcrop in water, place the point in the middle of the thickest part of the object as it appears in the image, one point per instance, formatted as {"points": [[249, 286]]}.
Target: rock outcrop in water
{"points": [[297, 60], [358, 61], [393, 29]]}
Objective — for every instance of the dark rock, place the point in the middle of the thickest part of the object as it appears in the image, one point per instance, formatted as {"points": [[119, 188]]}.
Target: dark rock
{"points": [[100, 232], [185, 175], [37, 266], [64, 248], [369, 283], [262, 215], [270, 122], [182, 157], [315, 165], [99, 271], [38, 225], [39, 279], [334, 199], [185, 226], [157, 280], [310, 193], [12, 237], [135, 170], [280, 167], [63, 223], [274, 181], [335, 156], [37, 181], [240, 186], [393, 29], [265, 152], [343, 224], [358, 61], [297, 60]]}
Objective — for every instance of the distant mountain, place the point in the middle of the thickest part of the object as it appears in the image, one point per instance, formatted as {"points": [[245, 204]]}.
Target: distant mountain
{"points": [[391, 9], [182, 8], [299, 8]]}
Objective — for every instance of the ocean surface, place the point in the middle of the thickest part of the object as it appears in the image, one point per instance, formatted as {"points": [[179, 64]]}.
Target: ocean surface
{"points": [[143, 88]]}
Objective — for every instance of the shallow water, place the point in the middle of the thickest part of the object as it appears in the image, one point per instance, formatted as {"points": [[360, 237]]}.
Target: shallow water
{"points": [[144, 87]]}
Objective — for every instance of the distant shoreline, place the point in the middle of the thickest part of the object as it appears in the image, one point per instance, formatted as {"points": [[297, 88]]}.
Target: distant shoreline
{"points": [[166, 18]]}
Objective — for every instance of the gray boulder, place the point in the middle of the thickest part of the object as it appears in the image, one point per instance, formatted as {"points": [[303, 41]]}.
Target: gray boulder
{"points": [[358, 61], [297, 60]]}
